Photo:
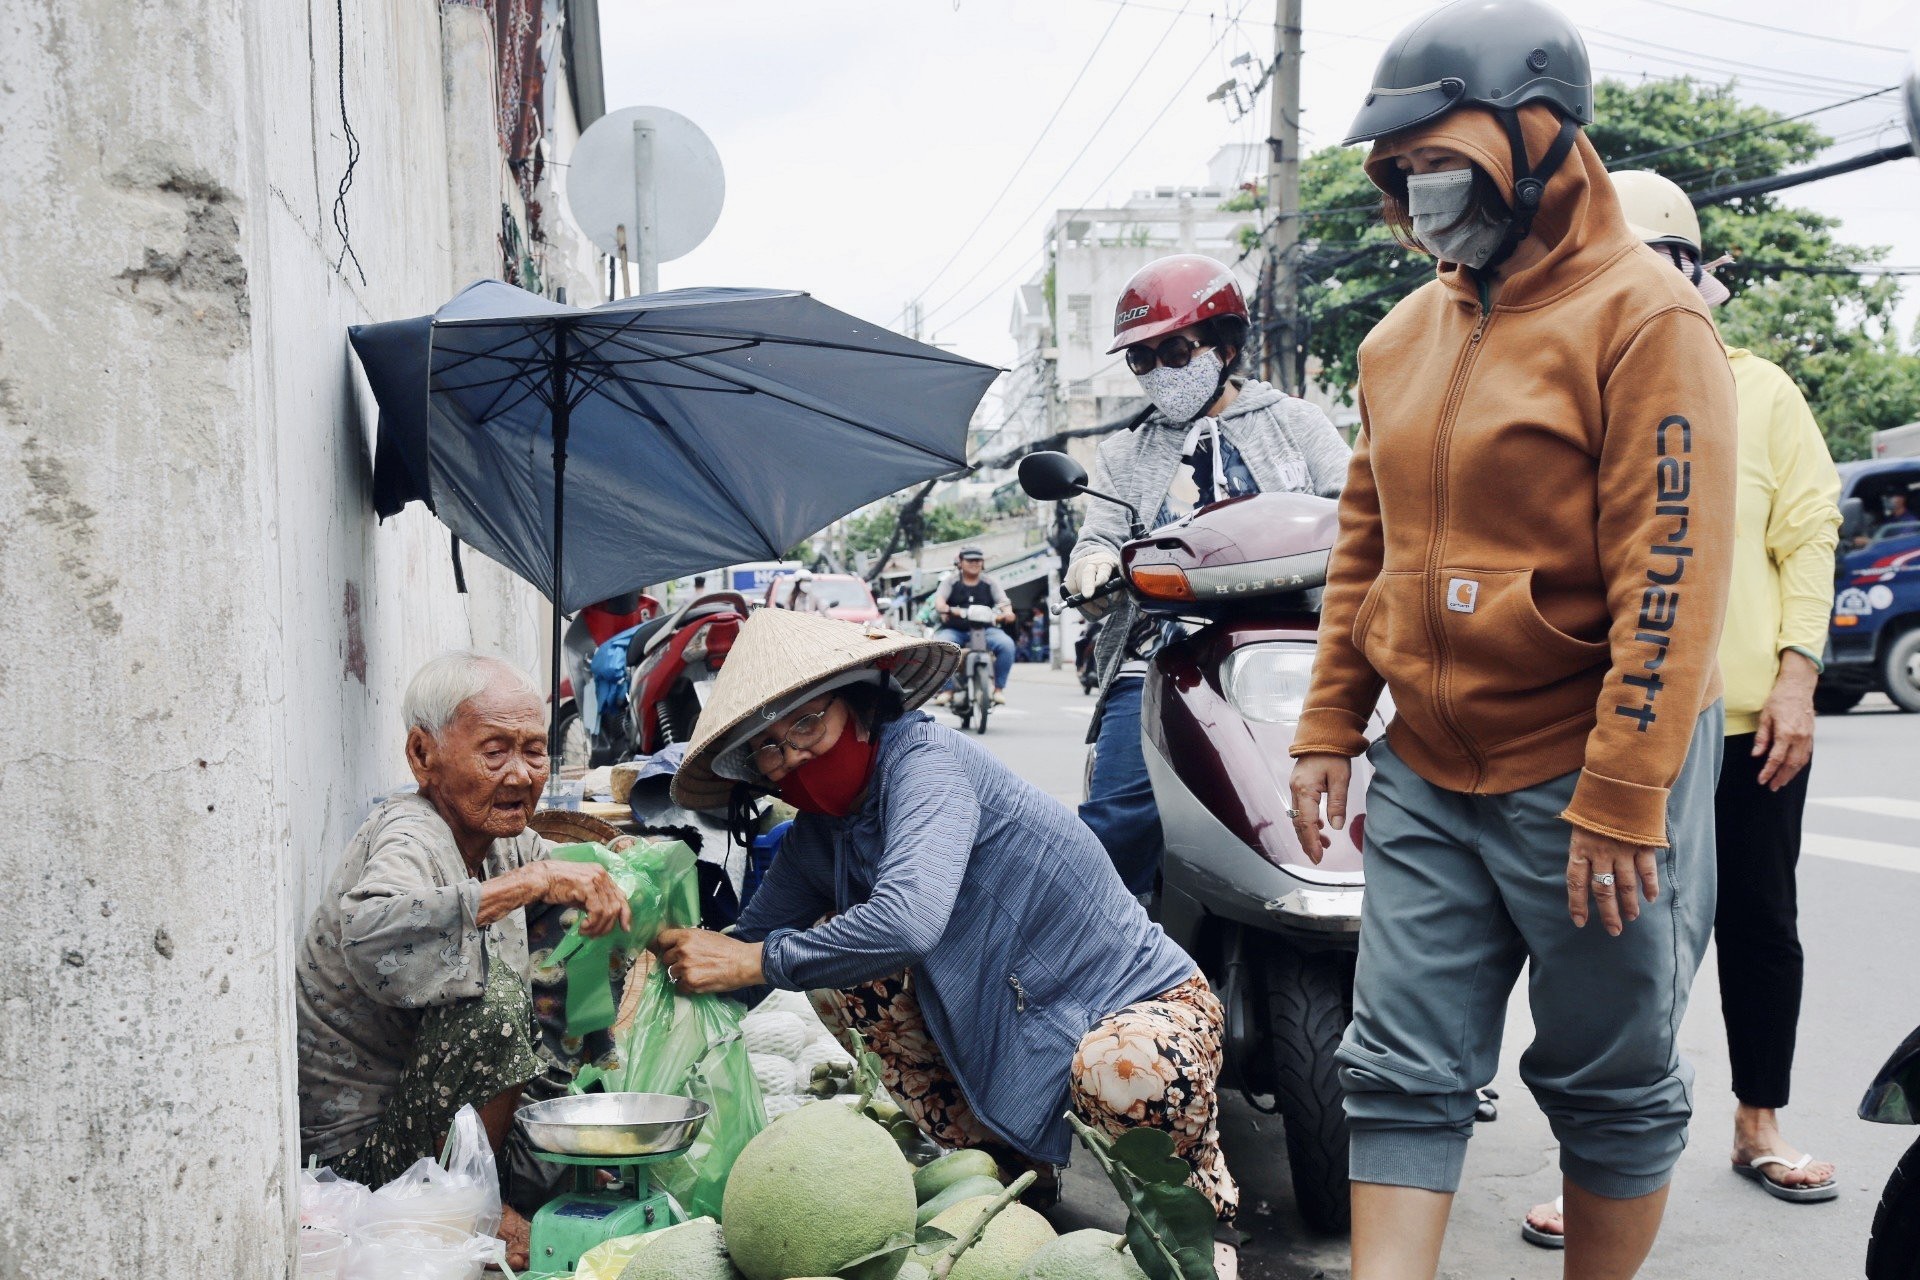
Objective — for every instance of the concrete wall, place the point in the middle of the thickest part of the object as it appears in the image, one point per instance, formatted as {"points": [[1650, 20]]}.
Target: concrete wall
{"points": [[206, 634]]}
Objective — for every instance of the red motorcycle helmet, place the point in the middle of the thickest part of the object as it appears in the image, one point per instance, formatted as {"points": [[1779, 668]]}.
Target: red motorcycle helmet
{"points": [[1169, 294]]}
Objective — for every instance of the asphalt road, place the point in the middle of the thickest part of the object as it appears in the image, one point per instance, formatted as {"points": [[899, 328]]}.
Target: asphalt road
{"points": [[1860, 925]]}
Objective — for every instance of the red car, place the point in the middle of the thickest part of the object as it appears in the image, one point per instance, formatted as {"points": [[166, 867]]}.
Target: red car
{"points": [[838, 595]]}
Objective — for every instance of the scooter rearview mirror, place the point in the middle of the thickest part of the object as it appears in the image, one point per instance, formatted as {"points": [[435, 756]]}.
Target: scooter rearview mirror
{"points": [[1051, 476]]}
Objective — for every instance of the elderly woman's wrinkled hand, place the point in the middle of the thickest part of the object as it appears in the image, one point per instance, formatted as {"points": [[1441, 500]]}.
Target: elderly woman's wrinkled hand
{"points": [[589, 887], [700, 961]]}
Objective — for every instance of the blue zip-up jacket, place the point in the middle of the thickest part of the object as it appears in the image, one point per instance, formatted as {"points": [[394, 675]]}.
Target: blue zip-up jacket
{"points": [[1017, 929]]}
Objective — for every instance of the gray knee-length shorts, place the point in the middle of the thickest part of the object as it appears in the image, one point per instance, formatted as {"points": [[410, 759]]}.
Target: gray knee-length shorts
{"points": [[1462, 890]]}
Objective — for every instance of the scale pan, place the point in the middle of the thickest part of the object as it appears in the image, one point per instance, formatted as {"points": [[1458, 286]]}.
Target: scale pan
{"points": [[614, 1124]]}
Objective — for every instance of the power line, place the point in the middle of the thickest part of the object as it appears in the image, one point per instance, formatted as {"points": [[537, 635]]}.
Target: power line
{"points": [[1140, 137], [1021, 167], [1762, 26], [1692, 57], [1078, 156], [1753, 128]]}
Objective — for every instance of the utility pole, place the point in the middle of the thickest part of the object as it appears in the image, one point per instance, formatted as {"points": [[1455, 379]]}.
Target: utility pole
{"points": [[1283, 198]]}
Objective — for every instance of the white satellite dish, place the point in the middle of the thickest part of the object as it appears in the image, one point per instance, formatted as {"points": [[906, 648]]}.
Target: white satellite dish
{"points": [[649, 177]]}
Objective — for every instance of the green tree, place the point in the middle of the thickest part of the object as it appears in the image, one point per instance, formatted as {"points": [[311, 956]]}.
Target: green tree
{"points": [[1798, 297], [942, 523]]}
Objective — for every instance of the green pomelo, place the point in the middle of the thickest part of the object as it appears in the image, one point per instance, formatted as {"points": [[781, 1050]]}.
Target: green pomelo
{"points": [[929, 1180], [965, 1189], [814, 1190], [1015, 1234], [913, 1271], [690, 1251], [1083, 1255]]}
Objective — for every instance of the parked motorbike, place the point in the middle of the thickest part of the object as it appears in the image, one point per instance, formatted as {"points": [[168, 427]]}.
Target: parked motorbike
{"points": [[594, 693], [1893, 1250], [1275, 932], [671, 665], [973, 682]]}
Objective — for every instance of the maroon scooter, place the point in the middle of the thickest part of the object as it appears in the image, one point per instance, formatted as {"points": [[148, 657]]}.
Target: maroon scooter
{"points": [[1274, 931]]}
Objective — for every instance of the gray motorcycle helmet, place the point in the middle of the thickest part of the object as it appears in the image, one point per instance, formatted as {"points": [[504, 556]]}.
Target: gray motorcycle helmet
{"points": [[1499, 54]]}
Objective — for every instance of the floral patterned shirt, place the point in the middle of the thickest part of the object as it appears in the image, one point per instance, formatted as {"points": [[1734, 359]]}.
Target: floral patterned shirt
{"points": [[394, 934]]}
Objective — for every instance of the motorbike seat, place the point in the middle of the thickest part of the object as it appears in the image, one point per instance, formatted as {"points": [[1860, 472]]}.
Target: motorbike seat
{"points": [[652, 635], [642, 640]]}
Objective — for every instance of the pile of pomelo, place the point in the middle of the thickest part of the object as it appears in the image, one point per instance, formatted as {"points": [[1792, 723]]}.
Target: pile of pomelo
{"points": [[824, 1192]]}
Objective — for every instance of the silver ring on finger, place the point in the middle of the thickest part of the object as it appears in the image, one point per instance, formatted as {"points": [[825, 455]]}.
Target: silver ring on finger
{"points": [[672, 976], [1293, 813], [1604, 879]]}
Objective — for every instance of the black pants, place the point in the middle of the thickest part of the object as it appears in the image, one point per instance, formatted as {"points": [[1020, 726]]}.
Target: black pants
{"points": [[1756, 925]]}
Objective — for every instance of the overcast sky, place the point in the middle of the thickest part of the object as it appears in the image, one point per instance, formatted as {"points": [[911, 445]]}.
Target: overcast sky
{"points": [[866, 141]]}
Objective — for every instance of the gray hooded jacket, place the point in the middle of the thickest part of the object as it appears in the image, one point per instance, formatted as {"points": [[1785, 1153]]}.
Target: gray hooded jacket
{"points": [[1287, 444]]}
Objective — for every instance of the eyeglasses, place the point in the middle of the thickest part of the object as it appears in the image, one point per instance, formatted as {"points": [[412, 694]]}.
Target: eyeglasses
{"points": [[1174, 353], [804, 736]]}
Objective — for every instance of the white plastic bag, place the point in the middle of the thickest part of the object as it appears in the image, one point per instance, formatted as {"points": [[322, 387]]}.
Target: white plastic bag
{"points": [[402, 1250], [330, 1201], [464, 1194]]}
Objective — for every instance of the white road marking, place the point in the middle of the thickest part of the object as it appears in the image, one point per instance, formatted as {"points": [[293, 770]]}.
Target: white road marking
{"points": [[1075, 709], [1882, 806], [1868, 853]]}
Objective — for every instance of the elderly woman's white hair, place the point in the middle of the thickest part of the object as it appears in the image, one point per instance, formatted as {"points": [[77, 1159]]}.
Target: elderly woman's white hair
{"points": [[437, 690]]}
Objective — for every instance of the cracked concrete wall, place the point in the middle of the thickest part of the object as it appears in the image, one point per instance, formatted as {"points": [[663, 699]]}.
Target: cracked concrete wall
{"points": [[207, 636]]}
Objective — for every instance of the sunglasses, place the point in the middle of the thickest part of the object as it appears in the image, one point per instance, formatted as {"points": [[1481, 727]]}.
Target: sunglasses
{"points": [[1175, 353]]}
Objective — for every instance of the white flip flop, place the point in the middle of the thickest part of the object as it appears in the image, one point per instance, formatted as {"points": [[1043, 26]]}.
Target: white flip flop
{"points": [[1754, 1170], [1546, 1239]]}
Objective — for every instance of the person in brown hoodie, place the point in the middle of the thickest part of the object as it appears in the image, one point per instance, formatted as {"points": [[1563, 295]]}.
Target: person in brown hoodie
{"points": [[1535, 546]]}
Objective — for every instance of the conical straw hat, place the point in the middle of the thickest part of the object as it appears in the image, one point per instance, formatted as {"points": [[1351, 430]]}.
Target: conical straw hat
{"points": [[780, 655]]}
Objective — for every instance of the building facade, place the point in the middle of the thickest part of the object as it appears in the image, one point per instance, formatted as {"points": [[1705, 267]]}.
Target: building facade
{"points": [[207, 633]]}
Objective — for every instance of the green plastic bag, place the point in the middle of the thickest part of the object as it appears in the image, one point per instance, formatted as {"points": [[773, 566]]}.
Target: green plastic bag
{"points": [[661, 888], [688, 1046]]}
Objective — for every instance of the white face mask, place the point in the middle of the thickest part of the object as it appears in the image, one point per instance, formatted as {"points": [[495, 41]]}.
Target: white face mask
{"points": [[1184, 394], [1438, 201]]}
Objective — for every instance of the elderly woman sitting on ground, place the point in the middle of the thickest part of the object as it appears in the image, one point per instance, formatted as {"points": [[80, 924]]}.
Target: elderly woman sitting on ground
{"points": [[413, 985]]}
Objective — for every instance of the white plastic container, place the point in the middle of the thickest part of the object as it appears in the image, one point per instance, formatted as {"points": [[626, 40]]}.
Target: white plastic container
{"points": [[323, 1252], [402, 1250]]}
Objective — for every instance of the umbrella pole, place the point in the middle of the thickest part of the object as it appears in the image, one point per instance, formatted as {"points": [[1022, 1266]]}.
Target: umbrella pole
{"points": [[562, 420]]}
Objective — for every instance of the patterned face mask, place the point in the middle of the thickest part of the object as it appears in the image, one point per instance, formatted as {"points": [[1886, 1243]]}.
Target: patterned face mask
{"points": [[1184, 394]]}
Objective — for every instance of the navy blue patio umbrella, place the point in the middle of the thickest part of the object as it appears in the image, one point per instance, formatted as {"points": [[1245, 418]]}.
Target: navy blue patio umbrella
{"points": [[594, 451]]}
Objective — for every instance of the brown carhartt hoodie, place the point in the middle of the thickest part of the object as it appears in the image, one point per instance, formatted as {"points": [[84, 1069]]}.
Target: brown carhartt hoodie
{"points": [[1536, 532]]}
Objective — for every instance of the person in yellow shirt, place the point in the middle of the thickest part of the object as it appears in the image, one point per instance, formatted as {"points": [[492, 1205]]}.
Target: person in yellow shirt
{"points": [[1787, 522]]}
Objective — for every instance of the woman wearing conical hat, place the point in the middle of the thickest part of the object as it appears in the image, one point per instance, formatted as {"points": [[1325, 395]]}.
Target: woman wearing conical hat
{"points": [[966, 925]]}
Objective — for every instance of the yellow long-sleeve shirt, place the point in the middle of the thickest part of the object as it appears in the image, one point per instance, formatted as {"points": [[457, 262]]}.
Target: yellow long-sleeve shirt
{"points": [[1787, 522]]}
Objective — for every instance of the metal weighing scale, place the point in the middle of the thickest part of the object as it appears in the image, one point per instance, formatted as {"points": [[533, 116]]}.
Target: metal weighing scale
{"points": [[622, 1134]]}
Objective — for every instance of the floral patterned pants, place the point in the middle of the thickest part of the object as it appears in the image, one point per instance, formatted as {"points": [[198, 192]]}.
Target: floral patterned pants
{"points": [[465, 1052], [1152, 1063]]}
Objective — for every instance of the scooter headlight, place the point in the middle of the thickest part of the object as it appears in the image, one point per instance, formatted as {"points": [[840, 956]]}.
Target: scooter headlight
{"points": [[1268, 682]]}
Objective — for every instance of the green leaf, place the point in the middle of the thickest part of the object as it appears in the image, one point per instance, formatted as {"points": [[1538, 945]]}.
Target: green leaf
{"points": [[932, 1240], [1169, 1224], [898, 1242], [1148, 1155]]}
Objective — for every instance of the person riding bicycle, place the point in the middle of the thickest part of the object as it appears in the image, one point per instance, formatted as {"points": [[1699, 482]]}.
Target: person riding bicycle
{"points": [[971, 586], [1182, 322]]}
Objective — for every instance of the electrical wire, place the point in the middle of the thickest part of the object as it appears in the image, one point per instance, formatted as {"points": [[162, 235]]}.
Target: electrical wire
{"points": [[1762, 26], [1688, 57], [1750, 129], [1078, 156], [1121, 8], [1140, 137]]}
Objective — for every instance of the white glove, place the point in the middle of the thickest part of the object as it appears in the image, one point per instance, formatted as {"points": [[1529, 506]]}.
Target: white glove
{"points": [[1087, 575]]}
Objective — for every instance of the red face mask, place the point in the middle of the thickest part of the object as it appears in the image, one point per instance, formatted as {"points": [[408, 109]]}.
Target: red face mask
{"points": [[832, 781]]}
